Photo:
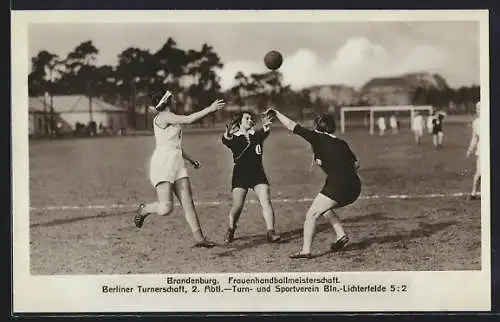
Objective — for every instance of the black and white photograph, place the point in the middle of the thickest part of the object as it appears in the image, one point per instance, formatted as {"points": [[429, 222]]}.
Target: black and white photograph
{"points": [[166, 157]]}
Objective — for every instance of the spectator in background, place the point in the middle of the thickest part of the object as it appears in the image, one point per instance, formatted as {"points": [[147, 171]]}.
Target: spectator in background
{"points": [[418, 127], [474, 147], [393, 122], [437, 129], [429, 122], [381, 125]]}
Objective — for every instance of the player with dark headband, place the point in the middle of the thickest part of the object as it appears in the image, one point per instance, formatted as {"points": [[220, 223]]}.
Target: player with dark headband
{"points": [[246, 144], [167, 171], [342, 186]]}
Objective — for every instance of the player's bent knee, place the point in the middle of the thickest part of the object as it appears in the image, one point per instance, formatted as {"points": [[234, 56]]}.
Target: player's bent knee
{"points": [[165, 208], [313, 215]]}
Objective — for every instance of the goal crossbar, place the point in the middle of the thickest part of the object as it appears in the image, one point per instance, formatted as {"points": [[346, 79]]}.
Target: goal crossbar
{"points": [[372, 109]]}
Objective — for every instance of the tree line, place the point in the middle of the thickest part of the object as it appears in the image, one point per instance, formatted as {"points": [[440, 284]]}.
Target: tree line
{"points": [[192, 73], [138, 72]]}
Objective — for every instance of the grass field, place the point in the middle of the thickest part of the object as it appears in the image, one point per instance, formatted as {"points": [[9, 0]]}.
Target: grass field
{"points": [[431, 229]]}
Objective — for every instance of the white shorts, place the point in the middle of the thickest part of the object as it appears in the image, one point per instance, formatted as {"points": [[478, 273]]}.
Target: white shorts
{"points": [[166, 166], [419, 131]]}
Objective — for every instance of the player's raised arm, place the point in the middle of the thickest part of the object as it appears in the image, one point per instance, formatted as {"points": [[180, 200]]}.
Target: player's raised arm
{"points": [[227, 137], [293, 126], [171, 118], [267, 120], [265, 129], [287, 122]]}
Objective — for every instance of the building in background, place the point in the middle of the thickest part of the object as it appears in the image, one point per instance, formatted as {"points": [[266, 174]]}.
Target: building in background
{"points": [[387, 91], [400, 90], [72, 112]]}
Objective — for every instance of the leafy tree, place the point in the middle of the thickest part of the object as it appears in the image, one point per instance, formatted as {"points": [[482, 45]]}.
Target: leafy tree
{"points": [[80, 68], [202, 67], [40, 78], [171, 64]]}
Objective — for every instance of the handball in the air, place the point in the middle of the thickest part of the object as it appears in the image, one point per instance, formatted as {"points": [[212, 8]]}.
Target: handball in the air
{"points": [[273, 60]]}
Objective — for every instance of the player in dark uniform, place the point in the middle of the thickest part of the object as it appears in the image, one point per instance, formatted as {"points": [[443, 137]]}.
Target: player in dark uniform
{"points": [[342, 186], [437, 130], [246, 144]]}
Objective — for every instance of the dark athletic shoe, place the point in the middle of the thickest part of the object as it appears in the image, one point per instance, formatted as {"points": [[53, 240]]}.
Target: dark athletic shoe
{"points": [[229, 238], [300, 255], [474, 197], [139, 217], [272, 236], [204, 244], [339, 244]]}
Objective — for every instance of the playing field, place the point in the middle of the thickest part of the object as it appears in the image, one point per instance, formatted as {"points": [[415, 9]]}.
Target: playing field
{"points": [[412, 215]]}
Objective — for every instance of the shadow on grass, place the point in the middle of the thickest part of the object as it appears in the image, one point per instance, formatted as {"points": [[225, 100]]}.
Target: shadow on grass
{"points": [[375, 216], [57, 222], [258, 240], [374, 169], [425, 230]]}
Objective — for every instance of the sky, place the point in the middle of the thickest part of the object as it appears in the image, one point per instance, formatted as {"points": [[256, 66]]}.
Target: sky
{"points": [[315, 53]]}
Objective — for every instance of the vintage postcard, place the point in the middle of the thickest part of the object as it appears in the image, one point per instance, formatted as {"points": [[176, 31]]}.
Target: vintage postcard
{"points": [[250, 161]]}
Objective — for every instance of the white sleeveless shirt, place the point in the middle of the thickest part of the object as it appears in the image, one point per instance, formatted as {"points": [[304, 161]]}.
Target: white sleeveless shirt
{"points": [[169, 137]]}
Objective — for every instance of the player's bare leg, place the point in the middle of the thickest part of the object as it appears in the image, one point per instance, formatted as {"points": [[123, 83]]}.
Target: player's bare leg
{"points": [[162, 207], [239, 196], [334, 220], [182, 189], [435, 140], [320, 205], [264, 195], [476, 180], [440, 138]]}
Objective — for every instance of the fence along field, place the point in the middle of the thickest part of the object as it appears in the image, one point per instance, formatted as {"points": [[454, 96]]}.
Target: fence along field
{"points": [[413, 214]]}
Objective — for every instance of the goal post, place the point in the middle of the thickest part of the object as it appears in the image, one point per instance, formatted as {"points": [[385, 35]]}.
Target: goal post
{"points": [[372, 109]]}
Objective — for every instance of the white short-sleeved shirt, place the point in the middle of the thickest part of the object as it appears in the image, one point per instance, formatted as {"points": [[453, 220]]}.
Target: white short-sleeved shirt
{"points": [[381, 122], [418, 122], [429, 122], [168, 137], [393, 121]]}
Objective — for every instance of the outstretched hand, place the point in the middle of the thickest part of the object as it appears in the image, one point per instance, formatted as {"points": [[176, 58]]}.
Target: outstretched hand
{"points": [[217, 105], [231, 128], [267, 120]]}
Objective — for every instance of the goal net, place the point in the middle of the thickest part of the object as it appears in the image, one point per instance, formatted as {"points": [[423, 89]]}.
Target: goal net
{"points": [[366, 116]]}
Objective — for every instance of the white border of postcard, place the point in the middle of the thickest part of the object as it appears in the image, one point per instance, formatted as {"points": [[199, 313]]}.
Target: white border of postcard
{"points": [[425, 291]]}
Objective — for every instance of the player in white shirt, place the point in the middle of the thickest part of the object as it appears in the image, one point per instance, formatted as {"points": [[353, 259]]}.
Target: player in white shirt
{"points": [[429, 123], [167, 170], [418, 127], [474, 147], [381, 125], [393, 123]]}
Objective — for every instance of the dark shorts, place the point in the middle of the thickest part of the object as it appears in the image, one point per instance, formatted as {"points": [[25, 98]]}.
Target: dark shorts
{"points": [[437, 131], [248, 178], [344, 193]]}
